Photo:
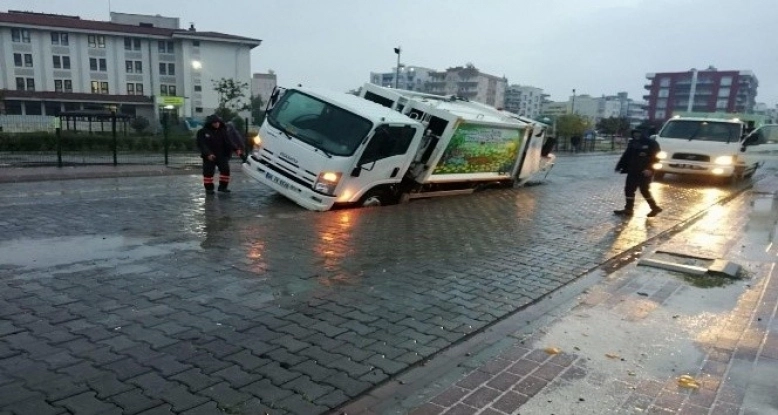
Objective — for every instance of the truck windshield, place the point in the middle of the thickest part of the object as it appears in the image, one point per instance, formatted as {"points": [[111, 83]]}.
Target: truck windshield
{"points": [[718, 131], [324, 126]]}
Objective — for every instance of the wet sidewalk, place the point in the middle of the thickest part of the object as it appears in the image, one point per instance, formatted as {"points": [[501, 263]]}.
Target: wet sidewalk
{"points": [[626, 338], [38, 174]]}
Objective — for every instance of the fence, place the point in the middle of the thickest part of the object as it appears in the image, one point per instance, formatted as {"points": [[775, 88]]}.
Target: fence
{"points": [[106, 139], [598, 144]]}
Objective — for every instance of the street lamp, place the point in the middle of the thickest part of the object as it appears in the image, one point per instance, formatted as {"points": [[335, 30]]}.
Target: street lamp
{"points": [[397, 50], [573, 108]]}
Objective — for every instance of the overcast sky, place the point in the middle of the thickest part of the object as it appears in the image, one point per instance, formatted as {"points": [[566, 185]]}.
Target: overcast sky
{"points": [[594, 46]]}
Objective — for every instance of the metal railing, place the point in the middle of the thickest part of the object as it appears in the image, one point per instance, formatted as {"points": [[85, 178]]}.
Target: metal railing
{"points": [[46, 141]]}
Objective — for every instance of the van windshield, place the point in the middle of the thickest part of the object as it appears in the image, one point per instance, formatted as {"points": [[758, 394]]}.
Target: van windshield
{"points": [[707, 130], [320, 124]]}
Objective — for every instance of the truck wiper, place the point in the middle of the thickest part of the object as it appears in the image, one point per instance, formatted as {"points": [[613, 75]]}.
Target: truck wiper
{"points": [[326, 153]]}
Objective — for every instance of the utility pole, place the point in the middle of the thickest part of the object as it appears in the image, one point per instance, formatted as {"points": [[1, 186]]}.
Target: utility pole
{"points": [[397, 50]]}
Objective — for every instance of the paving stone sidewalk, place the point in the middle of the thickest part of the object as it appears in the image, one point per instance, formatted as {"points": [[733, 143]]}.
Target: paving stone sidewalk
{"points": [[623, 345]]}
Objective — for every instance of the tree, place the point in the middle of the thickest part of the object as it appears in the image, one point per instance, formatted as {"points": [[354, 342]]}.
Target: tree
{"points": [[257, 110], [570, 125], [614, 126], [231, 97]]}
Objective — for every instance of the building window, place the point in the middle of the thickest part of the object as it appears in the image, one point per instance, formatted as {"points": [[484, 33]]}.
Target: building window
{"points": [[20, 35], [163, 89], [30, 84], [198, 88], [68, 85], [58, 85], [199, 110], [138, 89], [61, 62], [18, 60], [131, 43], [664, 82], [13, 107], [723, 92], [664, 93], [52, 108], [28, 60], [59, 38], [165, 47], [96, 41], [726, 80], [130, 68], [138, 66], [33, 108], [98, 64], [20, 84], [196, 43], [167, 68], [99, 87], [171, 90], [130, 89]]}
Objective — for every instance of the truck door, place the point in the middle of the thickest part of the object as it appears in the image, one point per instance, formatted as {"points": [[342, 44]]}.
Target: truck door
{"points": [[385, 157]]}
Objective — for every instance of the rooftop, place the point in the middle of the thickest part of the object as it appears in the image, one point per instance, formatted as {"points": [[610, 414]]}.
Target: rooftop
{"points": [[75, 23]]}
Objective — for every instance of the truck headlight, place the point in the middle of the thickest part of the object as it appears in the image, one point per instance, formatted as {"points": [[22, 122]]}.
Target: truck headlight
{"points": [[257, 140], [724, 160], [661, 155], [327, 182]]}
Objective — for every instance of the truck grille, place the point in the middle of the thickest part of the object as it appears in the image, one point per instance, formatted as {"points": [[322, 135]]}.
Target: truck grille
{"points": [[289, 170], [691, 157]]}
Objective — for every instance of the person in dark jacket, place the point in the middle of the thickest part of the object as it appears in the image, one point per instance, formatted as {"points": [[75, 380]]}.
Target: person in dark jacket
{"points": [[637, 163], [216, 149], [237, 139]]}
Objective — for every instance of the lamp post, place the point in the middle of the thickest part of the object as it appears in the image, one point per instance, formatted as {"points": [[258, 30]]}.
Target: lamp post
{"points": [[573, 107], [397, 50], [196, 66]]}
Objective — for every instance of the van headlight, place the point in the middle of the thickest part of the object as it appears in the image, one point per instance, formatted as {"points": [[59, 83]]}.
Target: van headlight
{"points": [[724, 160], [257, 140], [327, 182], [661, 155]]}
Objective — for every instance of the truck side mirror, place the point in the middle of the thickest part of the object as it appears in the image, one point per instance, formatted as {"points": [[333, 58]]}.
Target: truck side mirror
{"points": [[357, 171]]}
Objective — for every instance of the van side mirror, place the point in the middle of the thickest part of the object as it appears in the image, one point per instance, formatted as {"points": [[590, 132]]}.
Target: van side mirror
{"points": [[357, 171]]}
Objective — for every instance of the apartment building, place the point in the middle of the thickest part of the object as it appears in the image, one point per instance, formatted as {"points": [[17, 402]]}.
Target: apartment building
{"points": [[136, 64], [263, 84], [468, 82], [709, 90], [524, 100], [408, 77]]}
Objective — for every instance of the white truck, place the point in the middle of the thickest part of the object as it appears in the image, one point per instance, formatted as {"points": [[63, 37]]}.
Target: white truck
{"points": [[714, 147], [323, 149]]}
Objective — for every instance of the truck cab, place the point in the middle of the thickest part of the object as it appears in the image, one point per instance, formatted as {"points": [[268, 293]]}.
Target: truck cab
{"points": [[707, 147]]}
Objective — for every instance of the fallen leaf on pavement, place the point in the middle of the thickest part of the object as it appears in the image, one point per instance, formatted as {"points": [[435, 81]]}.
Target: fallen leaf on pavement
{"points": [[553, 350]]}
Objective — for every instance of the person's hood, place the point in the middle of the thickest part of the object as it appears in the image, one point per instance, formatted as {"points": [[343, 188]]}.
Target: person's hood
{"points": [[211, 118]]}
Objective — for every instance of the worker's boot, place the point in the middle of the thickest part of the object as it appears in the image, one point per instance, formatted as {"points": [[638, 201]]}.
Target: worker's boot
{"points": [[655, 209], [208, 184], [629, 208]]}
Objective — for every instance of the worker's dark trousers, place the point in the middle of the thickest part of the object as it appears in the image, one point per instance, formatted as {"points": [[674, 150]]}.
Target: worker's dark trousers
{"points": [[209, 169], [635, 182]]}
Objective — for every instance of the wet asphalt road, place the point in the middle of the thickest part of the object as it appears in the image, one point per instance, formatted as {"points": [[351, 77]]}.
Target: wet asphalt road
{"points": [[141, 295]]}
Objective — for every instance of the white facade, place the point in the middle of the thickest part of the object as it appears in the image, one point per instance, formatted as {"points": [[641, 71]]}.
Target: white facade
{"points": [[52, 62], [470, 83], [263, 84], [411, 78], [524, 100]]}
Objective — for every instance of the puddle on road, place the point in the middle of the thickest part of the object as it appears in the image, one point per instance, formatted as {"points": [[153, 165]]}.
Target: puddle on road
{"points": [[51, 252]]}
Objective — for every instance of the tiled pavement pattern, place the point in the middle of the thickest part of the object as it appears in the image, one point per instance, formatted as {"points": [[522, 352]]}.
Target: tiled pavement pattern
{"points": [[140, 295], [738, 351]]}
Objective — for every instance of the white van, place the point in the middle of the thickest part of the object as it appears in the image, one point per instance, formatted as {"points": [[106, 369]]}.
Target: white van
{"points": [[712, 147]]}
